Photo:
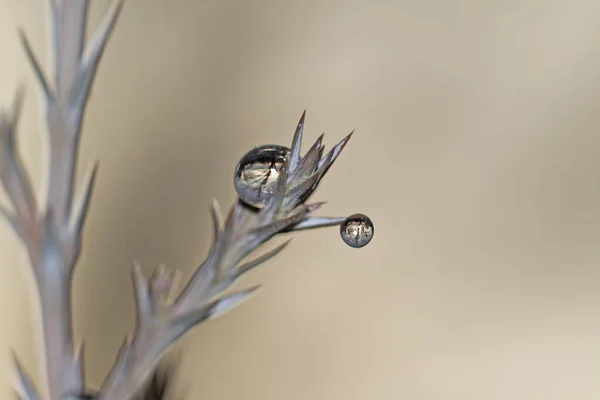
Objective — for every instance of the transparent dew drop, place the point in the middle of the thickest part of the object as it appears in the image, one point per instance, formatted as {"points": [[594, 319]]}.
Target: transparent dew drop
{"points": [[257, 172], [357, 230]]}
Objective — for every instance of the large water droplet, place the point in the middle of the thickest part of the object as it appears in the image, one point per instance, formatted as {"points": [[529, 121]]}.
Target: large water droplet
{"points": [[357, 230], [257, 172]]}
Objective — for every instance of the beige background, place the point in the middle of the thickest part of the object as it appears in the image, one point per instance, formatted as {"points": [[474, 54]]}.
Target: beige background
{"points": [[477, 155]]}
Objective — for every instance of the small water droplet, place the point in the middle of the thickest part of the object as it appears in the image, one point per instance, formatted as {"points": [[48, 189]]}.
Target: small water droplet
{"points": [[257, 172], [357, 230]]}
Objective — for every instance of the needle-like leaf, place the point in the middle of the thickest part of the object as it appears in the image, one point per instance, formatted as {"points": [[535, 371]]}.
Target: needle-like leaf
{"points": [[217, 219], [35, 64], [316, 222], [142, 296], [242, 269], [80, 214], [335, 152], [27, 386], [297, 143], [308, 164], [264, 232], [228, 302], [97, 45]]}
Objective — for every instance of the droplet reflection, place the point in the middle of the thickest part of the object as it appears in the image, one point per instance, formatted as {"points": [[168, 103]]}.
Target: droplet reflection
{"points": [[357, 230], [257, 172]]}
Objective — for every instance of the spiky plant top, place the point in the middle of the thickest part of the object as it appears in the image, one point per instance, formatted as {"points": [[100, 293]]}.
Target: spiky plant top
{"points": [[161, 321]]}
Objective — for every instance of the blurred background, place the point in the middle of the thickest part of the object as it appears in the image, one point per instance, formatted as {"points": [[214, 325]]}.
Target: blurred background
{"points": [[476, 154]]}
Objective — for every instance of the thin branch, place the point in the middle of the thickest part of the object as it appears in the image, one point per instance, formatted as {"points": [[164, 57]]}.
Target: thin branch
{"points": [[53, 275], [64, 119], [243, 231], [138, 359]]}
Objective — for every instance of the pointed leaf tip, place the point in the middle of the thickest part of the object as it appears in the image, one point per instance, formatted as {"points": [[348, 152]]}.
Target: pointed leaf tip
{"points": [[25, 381], [35, 64], [308, 164], [142, 294], [302, 117], [161, 283], [98, 41], [315, 206], [225, 304], [9, 119], [80, 90], [217, 219], [317, 222], [297, 143], [261, 259], [79, 362], [79, 217], [333, 154]]}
